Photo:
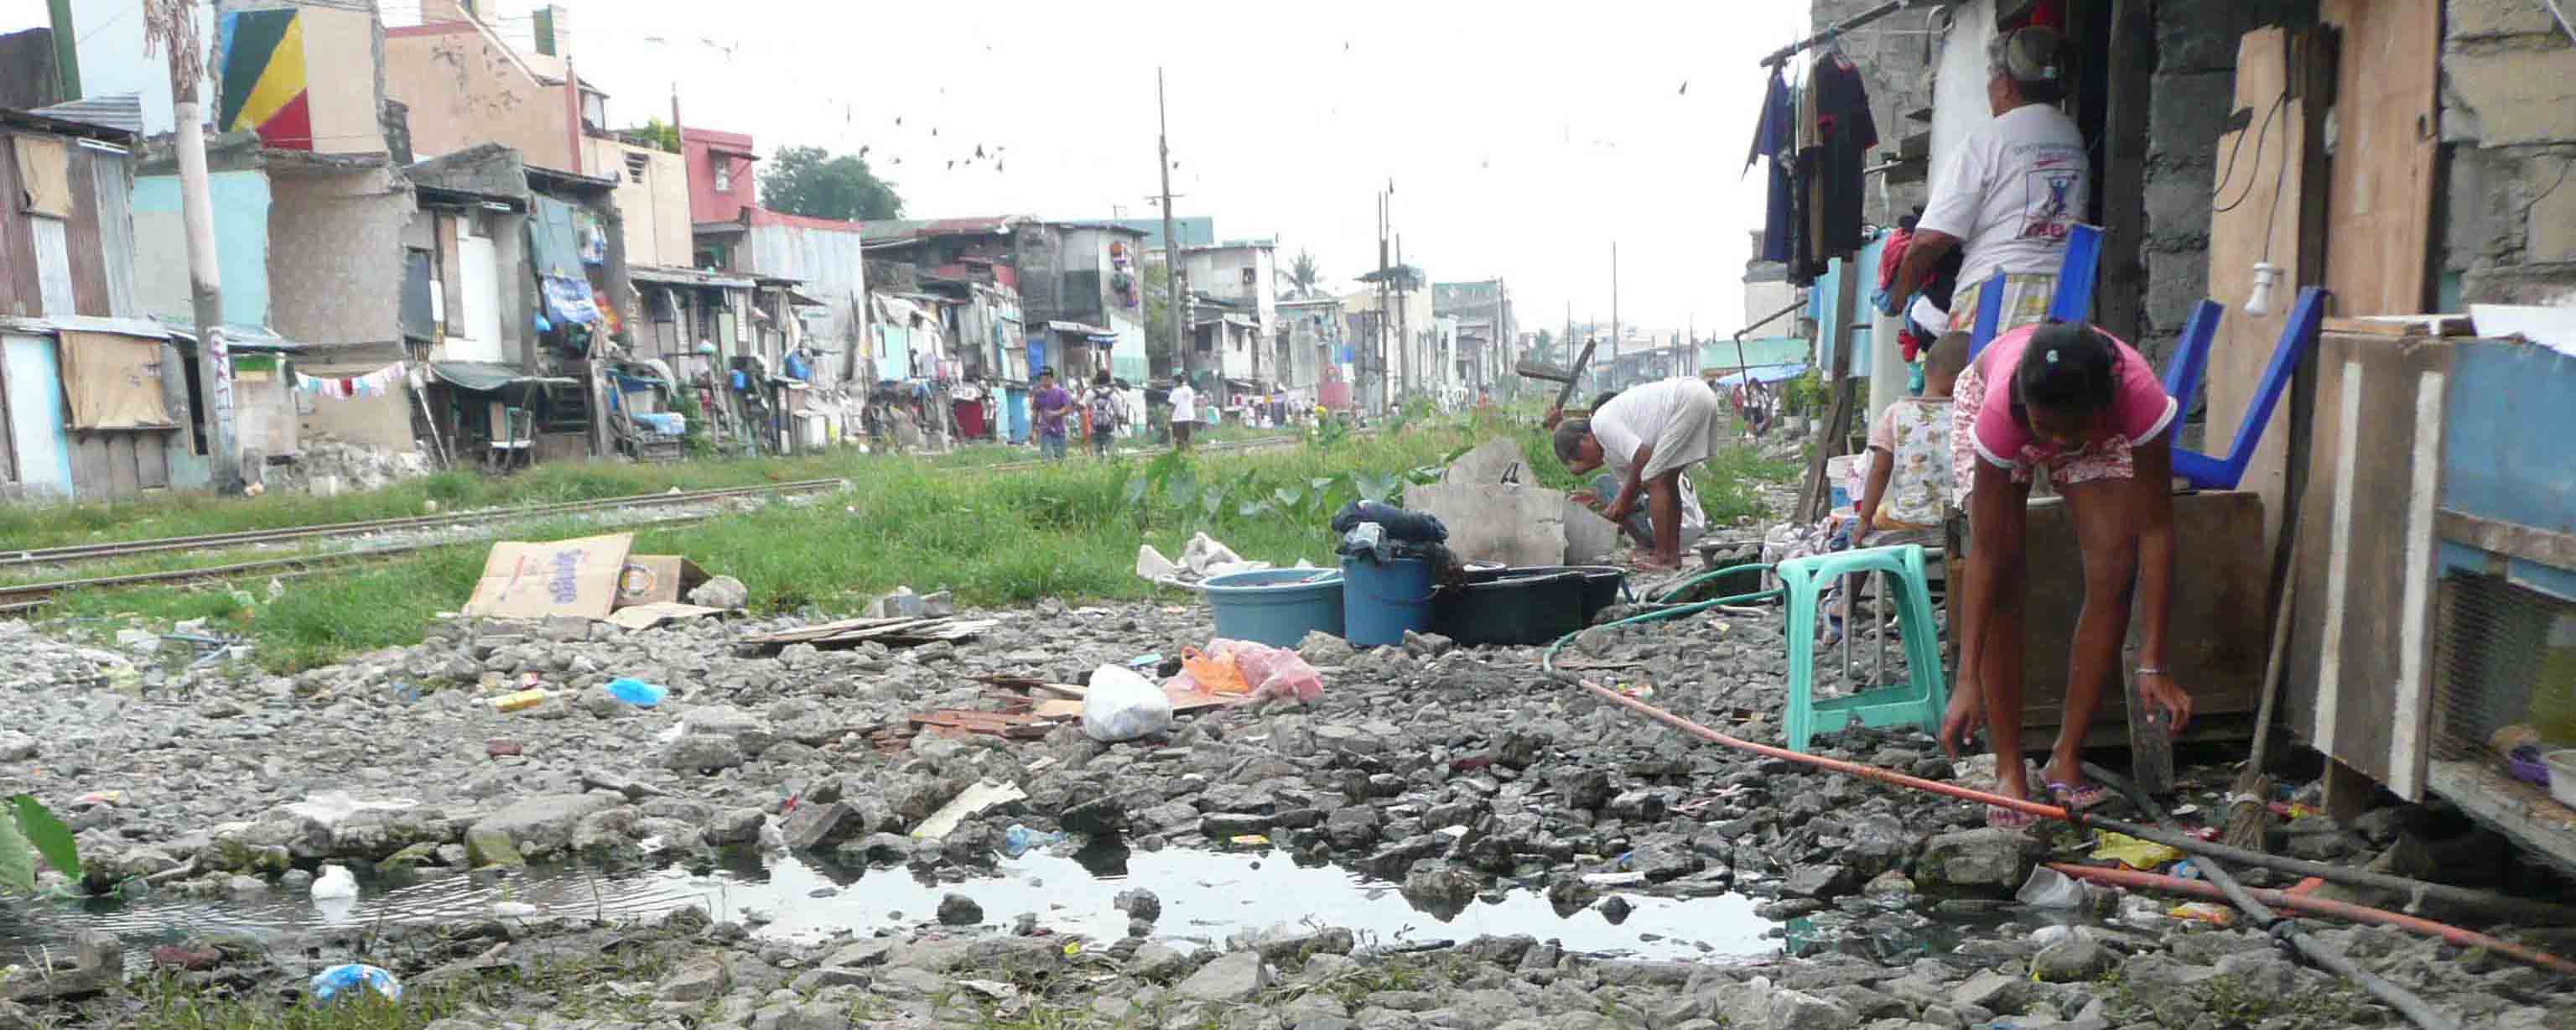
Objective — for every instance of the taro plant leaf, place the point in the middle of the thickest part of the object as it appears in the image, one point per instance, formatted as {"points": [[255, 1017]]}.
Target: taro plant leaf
{"points": [[51, 838], [17, 860], [1212, 500], [1373, 486], [1135, 491], [1253, 509], [1183, 488], [1287, 497]]}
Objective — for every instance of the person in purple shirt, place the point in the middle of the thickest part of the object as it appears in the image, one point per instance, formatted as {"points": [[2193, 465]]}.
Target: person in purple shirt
{"points": [[1051, 404]]}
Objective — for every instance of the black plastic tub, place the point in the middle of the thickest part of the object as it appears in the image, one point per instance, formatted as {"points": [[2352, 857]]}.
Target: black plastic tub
{"points": [[1601, 584], [1514, 607]]}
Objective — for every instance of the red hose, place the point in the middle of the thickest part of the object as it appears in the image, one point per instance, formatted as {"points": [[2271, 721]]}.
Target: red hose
{"points": [[1871, 772], [2320, 906], [2299, 902]]}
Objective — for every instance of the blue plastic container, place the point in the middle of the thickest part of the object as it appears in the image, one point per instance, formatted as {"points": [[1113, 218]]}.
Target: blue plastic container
{"points": [[1277, 607], [1380, 602]]}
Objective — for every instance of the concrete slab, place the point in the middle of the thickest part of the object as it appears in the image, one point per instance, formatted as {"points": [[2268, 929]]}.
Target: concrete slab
{"points": [[1515, 525]]}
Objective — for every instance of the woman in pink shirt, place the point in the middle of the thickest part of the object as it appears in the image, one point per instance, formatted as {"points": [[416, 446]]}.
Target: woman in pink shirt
{"points": [[2074, 401]]}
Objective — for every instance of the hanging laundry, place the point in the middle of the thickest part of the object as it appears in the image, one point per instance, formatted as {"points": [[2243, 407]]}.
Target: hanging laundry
{"points": [[390, 379], [1835, 132], [1773, 140]]}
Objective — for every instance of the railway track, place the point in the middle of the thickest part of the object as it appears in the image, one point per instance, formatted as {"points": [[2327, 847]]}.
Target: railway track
{"points": [[26, 597]]}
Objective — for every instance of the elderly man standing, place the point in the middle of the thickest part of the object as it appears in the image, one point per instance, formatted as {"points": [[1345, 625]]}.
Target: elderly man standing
{"points": [[1647, 436], [2012, 193]]}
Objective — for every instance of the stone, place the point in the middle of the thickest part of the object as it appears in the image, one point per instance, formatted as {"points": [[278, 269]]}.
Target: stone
{"points": [[1982, 860], [543, 825], [1501, 951], [1324, 649], [1822, 882], [1101, 815], [491, 848], [702, 752], [1992, 991], [1139, 903], [1157, 963], [723, 592], [1285, 944], [1438, 885], [860, 955], [735, 826], [1426, 645], [960, 910], [2073, 960], [1352, 827], [1588, 790], [1799, 1010], [815, 826], [1219, 826], [1636, 806], [702, 977], [1231, 978]]}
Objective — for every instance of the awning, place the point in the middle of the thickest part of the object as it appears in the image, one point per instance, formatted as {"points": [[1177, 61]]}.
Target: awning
{"points": [[1077, 327], [487, 376], [684, 277], [1761, 374]]}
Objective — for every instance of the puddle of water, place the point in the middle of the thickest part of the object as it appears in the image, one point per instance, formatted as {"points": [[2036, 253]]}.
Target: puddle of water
{"points": [[1206, 896]]}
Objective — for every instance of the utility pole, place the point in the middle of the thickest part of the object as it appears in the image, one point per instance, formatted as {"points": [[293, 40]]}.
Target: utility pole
{"points": [[1614, 314], [1385, 388], [1403, 325], [1173, 309], [66, 49], [172, 25]]}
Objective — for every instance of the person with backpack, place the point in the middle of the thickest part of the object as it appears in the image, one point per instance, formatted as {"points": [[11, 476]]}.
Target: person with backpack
{"points": [[1107, 409]]}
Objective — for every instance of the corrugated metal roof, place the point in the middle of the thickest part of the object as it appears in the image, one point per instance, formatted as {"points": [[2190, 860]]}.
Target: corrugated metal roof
{"points": [[122, 112]]}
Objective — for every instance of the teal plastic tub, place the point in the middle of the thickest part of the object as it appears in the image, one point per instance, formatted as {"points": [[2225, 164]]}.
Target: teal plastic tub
{"points": [[1381, 602], [1277, 607]]}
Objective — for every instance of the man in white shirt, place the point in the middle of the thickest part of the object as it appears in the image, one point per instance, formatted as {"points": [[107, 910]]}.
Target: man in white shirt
{"points": [[1647, 436], [1185, 412], [2012, 193]]}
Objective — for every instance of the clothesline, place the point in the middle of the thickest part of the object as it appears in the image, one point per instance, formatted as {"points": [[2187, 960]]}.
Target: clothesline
{"points": [[378, 383], [1777, 57]]}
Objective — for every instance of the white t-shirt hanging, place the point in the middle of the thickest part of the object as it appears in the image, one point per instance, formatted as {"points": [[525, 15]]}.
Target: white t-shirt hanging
{"points": [[2013, 192]]}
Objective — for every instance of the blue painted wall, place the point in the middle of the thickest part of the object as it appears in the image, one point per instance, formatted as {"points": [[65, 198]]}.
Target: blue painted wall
{"points": [[2509, 452], [36, 415], [1820, 308], [241, 201]]}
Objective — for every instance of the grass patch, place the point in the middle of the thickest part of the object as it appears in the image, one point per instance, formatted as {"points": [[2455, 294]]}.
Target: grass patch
{"points": [[1068, 531], [567, 987]]}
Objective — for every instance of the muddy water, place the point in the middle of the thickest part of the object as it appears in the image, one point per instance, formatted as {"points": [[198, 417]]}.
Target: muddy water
{"points": [[1206, 896]]}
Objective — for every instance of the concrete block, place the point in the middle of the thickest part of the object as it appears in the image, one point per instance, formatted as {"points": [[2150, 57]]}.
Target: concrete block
{"points": [[2522, 90], [2551, 232], [2187, 112], [2480, 19], [1588, 537], [1487, 464], [1508, 524]]}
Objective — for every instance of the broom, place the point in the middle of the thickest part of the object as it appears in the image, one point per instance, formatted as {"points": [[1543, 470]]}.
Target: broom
{"points": [[2248, 817]]}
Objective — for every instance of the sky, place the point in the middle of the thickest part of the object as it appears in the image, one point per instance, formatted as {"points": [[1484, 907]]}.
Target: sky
{"points": [[1520, 140]]}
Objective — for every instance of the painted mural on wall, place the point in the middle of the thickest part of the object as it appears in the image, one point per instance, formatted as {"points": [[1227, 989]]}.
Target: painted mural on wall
{"points": [[260, 77]]}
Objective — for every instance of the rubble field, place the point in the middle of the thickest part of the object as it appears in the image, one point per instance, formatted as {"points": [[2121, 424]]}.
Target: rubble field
{"points": [[1454, 779]]}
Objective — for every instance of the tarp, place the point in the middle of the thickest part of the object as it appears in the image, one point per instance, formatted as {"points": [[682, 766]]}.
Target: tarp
{"points": [[113, 381], [1762, 374], [44, 172], [486, 376], [570, 300], [554, 245]]}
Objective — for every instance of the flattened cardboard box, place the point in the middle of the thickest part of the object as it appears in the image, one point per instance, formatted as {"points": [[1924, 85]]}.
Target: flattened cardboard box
{"points": [[656, 578], [524, 580]]}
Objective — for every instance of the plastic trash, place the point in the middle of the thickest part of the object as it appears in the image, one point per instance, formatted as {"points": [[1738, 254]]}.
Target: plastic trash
{"points": [[1020, 840], [1121, 705], [513, 910], [350, 978], [335, 882], [1215, 672], [1279, 673], [636, 692], [2204, 912], [2052, 934], [520, 700], [2048, 888], [2142, 855]]}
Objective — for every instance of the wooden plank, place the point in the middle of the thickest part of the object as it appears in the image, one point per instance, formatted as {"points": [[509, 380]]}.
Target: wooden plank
{"points": [[2150, 745], [88, 262], [152, 458], [2511, 539], [2401, 325], [123, 479], [2263, 205], [2523, 813], [20, 293], [91, 478], [2120, 303], [2379, 228]]}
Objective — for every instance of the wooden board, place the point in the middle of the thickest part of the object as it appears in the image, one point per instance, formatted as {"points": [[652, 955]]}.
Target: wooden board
{"points": [[88, 263], [2401, 325], [20, 292], [890, 632], [2360, 654], [2216, 635], [2380, 206], [2264, 193]]}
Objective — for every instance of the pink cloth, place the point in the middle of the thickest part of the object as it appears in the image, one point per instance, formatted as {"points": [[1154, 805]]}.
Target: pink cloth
{"points": [[2139, 408]]}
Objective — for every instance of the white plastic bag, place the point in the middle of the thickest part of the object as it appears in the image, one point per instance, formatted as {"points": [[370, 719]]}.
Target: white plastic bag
{"points": [[1121, 705], [2048, 888]]}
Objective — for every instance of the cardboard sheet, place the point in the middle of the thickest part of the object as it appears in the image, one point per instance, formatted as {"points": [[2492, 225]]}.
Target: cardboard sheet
{"points": [[562, 577], [113, 381], [656, 578], [45, 172], [647, 616]]}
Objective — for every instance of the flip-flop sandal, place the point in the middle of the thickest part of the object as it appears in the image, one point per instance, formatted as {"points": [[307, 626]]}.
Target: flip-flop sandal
{"points": [[2079, 799], [2001, 818]]}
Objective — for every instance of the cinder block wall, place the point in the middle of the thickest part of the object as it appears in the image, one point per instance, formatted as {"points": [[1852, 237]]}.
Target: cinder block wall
{"points": [[2504, 228]]}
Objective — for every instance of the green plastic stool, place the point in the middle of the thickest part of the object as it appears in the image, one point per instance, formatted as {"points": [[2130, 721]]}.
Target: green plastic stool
{"points": [[1920, 701]]}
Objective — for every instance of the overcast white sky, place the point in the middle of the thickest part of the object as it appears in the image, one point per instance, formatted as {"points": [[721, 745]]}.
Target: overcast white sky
{"points": [[1522, 139]]}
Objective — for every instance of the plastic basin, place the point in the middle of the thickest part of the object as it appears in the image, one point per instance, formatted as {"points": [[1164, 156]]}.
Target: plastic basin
{"points": [[1601, 584], [1277, 607]]}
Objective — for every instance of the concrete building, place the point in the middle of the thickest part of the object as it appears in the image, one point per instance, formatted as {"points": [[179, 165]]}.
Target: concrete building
{"points": [[1394, 335], [1081, 302], [1483, 309], [1311, 342], [1234, 312], [722, 181]]}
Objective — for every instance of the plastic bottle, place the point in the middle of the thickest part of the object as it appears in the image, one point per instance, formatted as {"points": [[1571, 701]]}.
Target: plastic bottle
{"points": [[529, 698], [1020, 840], [350, 978], [636, 692]]}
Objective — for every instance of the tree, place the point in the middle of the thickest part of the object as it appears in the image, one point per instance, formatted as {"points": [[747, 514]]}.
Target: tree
{"points": [[655, 133], [812, 182], [1304, 274]]}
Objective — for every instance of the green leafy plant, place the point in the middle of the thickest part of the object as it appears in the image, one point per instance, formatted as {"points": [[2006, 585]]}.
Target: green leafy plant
{"points": [[32, 831]]}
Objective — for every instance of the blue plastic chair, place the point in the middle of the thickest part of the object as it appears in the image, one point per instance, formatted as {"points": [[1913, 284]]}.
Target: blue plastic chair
{"points": [[2072, 301], [1920, 701], [2190, 359], [2297, 336]]}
